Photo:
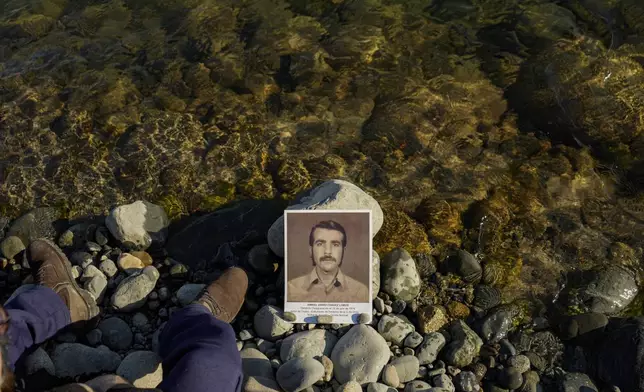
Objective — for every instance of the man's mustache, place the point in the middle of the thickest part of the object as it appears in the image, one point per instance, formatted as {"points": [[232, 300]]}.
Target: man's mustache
{"points": [[328, 259]]}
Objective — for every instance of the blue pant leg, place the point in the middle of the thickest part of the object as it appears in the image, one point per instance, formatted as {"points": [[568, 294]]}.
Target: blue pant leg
{"points": [[35, 316], [199, 353]]}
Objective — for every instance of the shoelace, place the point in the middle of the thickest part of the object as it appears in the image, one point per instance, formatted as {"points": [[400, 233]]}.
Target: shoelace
{"points": [[214, 307]]}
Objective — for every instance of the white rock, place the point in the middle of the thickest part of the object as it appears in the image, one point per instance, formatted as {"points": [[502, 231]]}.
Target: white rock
{"points": [[142, 369], [360, 355], [305, 344], [138, 225], [108, 268], [394, 329], [330, 195], [74, 359], [189, 292]]}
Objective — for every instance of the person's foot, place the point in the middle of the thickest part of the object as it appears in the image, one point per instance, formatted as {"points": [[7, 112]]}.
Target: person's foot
{"points": [[52, 269], [225, 296]]}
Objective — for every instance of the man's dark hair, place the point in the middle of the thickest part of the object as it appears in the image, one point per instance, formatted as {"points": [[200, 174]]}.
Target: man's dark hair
{"points": [[330, 225]]}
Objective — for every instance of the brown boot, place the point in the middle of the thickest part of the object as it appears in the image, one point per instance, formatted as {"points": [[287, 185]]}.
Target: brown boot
{"points": [[225, 296], [52, 269]]}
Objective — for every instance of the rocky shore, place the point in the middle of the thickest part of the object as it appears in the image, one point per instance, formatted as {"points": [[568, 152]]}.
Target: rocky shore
{"points": [[439, 325]]}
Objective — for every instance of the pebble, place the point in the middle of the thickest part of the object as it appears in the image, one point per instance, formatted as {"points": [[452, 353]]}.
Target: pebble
{"points": [[164, 294], [408, 351], [465, 345], [328, 368], [465, 382], [496, 325], [330, 195], [101, 236], [465, 265], [261, 384], [360, 355], [269, 323], [413, 340], [117, 335], [435, 372], [407, 367], [400, 277], [445, 382], [431, 319], [11, 246], [142, 369], [536, 361], [139, 339], [299, 373], [130, 264], [394, 329], [256, 364], [611, 289], [520, 362], [94, 337], [509, 378], [390, 376], [428, 350], [420, 386], [245, 335], [189, 292], [93, 247], [82, 259], [132, 292], [530, 382], [37, 361], [506, 349], [379, 305], [108, 268], [289, 316], [144, 256], [74, 359], [179, 271], [378, 387], [77, 271], [312, 343], [97, 286], [375, 274], [138, 225], [351, 386], [398, 306]]}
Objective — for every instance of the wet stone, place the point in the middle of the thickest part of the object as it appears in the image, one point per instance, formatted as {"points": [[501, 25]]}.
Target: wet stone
{"points": [[510, 378], [465, 381], [520, 362], [465, 345], [465, 265], [398, 306], [496, 325], [413, 340], [428, 350], [445, 382]]}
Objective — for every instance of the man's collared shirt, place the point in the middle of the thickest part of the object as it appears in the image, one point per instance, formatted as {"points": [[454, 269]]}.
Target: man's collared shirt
{"points": [[310, 288]]}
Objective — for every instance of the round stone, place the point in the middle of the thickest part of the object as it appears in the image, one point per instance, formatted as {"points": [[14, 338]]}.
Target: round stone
{"points": [[413, 340], [117, 335], [520, 362], [269, 323], [407, 367], [390, 376], [189, 292], [307, 344], [360, 355], [394, 329], [400, 277], [299, 373], [256, 364], [142, 369]]}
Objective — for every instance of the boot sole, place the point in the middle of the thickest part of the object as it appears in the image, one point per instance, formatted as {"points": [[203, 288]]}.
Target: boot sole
{"points": [[86, 296]]}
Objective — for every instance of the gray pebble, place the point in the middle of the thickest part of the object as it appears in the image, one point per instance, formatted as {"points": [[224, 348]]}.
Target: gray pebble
{"points": [[407, 367], [189, 292], [509, 378], [378, 387], [245, 335], [379, 305], [139, 339], [520, 362], [445, 382], [164, 293], [94, 337], [419, 386], [256, 364], [408, 351], [465, 381], [428, 350], [299, 373], [108, 268], [413, 340], [269, 323], [394, 329], [117, 335], [398, 306]]}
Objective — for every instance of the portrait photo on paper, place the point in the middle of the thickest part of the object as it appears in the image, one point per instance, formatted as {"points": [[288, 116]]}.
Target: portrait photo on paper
{"points": [[327, 265]]}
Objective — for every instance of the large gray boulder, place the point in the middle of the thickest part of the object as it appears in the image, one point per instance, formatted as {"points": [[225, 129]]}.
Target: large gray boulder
{"points": [[360, 355], [330, 195], [138, 225]]}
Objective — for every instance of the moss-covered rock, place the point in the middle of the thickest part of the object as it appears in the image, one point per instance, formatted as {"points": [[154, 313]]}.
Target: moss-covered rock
{"points": [[400, 231]]}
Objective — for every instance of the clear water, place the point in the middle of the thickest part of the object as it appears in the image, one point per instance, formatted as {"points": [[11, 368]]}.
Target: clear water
{"points": [[513, 129]]}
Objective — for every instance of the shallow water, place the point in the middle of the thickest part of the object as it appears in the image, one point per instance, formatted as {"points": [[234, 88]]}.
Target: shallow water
{"points": [[513, 129]]}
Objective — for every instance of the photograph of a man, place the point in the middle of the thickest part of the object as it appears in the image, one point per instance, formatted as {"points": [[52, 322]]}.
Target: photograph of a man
{"points": [[330, 250]]}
